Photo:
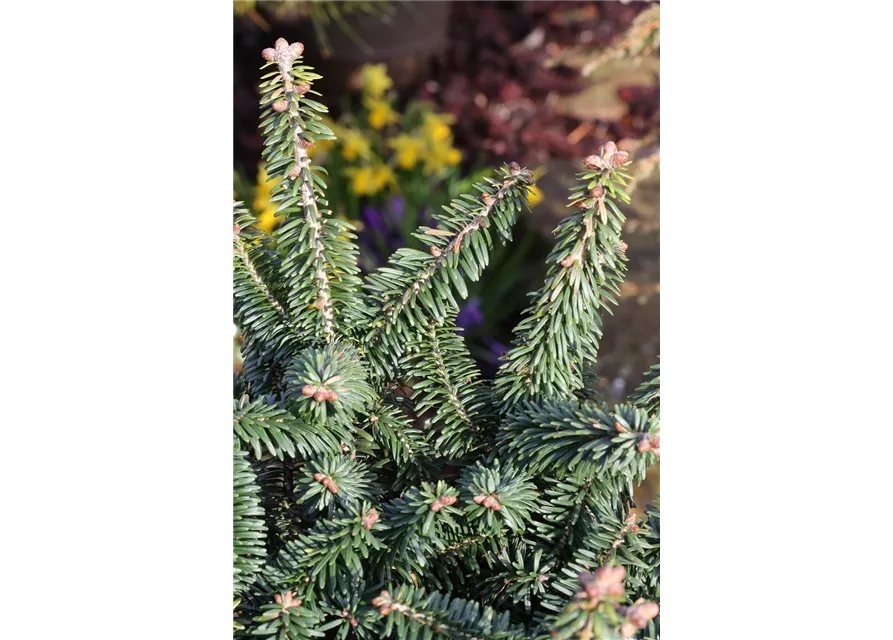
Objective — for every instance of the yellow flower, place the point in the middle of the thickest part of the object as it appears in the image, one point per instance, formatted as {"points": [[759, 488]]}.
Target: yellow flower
{"points": [[408, 149], [375, 80], [436, 126], [440, 157], [320, 147], [383, 178], [267, 220], [380, 113], [369, 180], [534, 195], [361, 179], [354, 145], [453, 156]]}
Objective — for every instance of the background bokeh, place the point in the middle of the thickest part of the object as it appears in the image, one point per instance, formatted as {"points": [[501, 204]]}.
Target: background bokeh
{"points": [[425, 97]]}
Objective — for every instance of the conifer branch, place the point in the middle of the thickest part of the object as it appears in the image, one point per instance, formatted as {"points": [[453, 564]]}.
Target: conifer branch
{"points": [[405, 445], [327, 384], [647, 394], [498, 494], [263, 426], [413, 613], [560, 329], [255, 303], [467, 542], [320, 263], [288, 619], [249, 531], [334, 480], [618, 537], [447, 382], [285, 55], [581, 438], [597, 611], [567, 516], [331, 553], [458, 249], [242, 253]]}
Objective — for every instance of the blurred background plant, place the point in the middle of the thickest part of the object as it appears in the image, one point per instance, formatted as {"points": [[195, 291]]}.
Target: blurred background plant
{"points": [[323, 14]]}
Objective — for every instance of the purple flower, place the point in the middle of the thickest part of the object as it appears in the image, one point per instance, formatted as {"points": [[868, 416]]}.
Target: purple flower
{"points": [[470, 315], [373, 219], [396, 208]]}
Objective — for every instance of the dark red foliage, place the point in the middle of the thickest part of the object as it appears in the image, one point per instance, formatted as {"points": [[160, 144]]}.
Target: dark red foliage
{"points": [[492, 78]]}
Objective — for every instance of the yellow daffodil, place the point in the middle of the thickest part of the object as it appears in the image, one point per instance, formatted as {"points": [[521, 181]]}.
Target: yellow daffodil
{"points": [[439, 157], [436, 126], [361, 180], [369, 180], [534, 195], [380, 113], [354, 145], [408, 149], [267, 220], [320, 147], [375, 80]]}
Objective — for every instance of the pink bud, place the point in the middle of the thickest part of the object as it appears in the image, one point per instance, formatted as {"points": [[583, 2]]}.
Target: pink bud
{"points": [[610, 575]]}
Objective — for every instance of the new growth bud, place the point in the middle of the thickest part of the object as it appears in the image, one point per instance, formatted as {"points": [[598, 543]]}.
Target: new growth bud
{"points": [[594, 162], [383, 602], [370, 518], [441, 502], [487, 502], [640, 613], [620, 158], [326, 481], [644, 444]]}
